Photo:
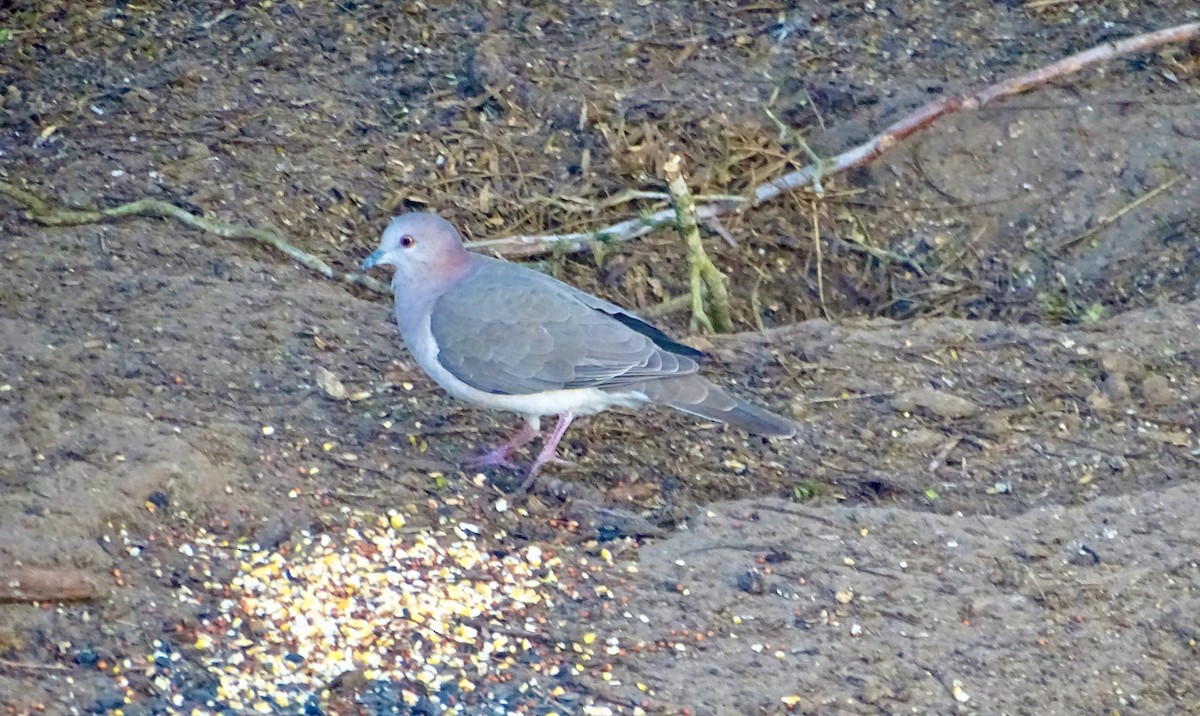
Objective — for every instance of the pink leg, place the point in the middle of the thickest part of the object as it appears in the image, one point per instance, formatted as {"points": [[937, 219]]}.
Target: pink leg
{"points": [[499, 455], [549, 450]]}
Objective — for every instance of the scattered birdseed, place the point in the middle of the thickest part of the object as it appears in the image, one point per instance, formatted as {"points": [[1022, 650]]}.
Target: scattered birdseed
{"points": [[437, 615]]}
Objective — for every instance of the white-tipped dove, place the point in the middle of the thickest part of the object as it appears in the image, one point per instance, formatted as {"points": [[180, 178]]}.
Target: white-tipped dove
{"points": [[502, 336]]}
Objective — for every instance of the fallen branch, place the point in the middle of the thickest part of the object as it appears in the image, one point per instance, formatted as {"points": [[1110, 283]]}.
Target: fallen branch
{"points": [[43, 584], [525, 246], [47, 215], [708, 294]]}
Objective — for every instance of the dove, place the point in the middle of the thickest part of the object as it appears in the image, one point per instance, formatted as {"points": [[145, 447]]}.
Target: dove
{"points": [[502, 336]]}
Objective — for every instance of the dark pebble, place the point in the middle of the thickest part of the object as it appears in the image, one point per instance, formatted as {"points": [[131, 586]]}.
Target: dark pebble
{"points": [[569, 700], [775, 556], [505, 694], [273, 534], [294, 658], [108, 701], [202, 693], [159, 499], [750, 582], [608, 533], [1085, 557], [86, 656], [382, 697]]}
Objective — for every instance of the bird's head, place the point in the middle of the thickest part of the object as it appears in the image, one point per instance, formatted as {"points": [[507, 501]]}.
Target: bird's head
{"points": [[420, 247]]}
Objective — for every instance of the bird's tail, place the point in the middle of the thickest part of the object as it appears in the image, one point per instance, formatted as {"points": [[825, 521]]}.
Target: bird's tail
{"points": [[693, 394]]}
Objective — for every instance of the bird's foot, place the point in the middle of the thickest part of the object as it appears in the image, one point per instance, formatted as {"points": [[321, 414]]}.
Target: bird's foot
{"points": [[549, 453], [536, 469], [494, 458], [498, 457], [556, 460]]}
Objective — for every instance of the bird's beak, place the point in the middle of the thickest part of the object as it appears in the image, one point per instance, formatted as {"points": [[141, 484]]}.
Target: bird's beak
{"points": [[372, 259]]}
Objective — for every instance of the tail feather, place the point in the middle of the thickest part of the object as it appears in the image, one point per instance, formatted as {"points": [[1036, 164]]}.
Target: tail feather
{"points": [[695, 395]]}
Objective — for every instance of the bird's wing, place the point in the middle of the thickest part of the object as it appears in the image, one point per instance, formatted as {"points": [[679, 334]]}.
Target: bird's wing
{"points": [[510, 330], [637, 323]]}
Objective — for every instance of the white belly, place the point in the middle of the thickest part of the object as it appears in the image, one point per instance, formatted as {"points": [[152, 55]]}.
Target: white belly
{"points": [[580, 401]]}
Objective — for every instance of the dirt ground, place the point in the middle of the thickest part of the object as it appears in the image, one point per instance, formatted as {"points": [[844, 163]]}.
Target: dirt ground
{"points": [[995, 354]]}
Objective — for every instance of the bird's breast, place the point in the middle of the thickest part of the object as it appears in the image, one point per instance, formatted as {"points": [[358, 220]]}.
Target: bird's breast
{"points": [[418, 336]]}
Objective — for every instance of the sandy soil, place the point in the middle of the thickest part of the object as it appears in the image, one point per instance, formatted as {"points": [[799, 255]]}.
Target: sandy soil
{"points": [[992, 506]]}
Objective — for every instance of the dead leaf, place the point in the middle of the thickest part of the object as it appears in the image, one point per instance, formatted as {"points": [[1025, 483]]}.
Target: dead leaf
{"points": [[329, 383]]}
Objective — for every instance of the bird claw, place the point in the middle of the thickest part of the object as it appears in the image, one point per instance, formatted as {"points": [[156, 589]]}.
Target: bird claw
{"points": [[531, 478], [498, 456], [493, 458]]}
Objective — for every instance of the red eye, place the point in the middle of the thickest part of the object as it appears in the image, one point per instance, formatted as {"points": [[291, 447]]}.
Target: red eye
{"points": [[407, 241]]}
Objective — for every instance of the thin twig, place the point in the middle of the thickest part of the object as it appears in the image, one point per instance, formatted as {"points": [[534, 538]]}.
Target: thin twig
{"points": [[939, 458], [699, 315], [846, 398], [577, 204], [816, 110], [820, 255], [1039, 4], [671, 305], [786, 133], [714, 225], [883, 255], [47, 215], [1110, 219], [528, 246], [756, 303], [8, 663]]}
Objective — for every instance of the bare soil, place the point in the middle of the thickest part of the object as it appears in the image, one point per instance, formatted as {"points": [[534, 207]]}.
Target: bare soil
{"points": [[995, 354]]}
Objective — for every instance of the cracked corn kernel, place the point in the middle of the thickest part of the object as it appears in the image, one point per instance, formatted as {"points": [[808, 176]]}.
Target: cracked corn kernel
{"points": [[342, 601]]}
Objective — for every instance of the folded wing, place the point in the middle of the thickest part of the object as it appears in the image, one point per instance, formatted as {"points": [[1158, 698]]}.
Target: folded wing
{"points": [[510, 330]]}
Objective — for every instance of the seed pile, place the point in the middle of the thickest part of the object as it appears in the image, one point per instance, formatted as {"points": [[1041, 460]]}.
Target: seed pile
{"points": [[437, 614]]}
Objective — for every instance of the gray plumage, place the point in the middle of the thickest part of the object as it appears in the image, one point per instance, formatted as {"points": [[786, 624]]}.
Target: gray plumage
{"points": [[504, 336], [507, 332]]}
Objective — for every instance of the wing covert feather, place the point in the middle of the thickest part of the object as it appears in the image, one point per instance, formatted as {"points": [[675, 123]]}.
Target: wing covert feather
{"points": [[510, 330]]}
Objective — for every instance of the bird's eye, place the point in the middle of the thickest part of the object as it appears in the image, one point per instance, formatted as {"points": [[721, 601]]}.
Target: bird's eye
{"points": [[407, 241]]}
